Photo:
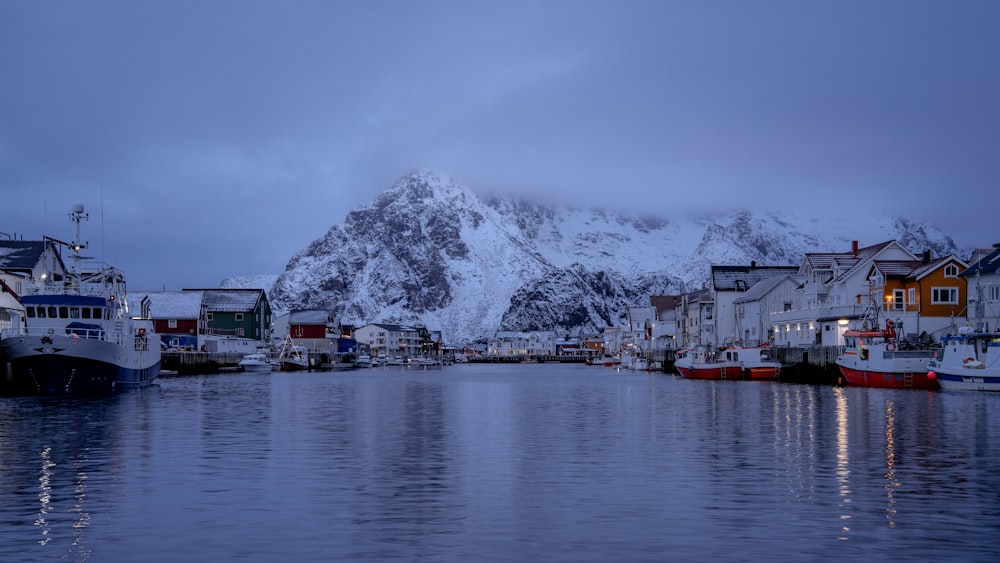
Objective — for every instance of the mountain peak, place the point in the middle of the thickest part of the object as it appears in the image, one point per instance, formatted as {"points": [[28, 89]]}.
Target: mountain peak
{"points": [[430, 251]]}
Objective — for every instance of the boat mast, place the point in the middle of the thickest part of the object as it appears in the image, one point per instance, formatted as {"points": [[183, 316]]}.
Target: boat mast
{"points": [[76, 216]]}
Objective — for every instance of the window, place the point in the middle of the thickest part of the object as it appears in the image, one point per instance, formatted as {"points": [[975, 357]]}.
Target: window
{"points": [[944, 296], [63, 312], [74, 312], [912, 297], [208, 317], [31, 312], [951, 271], [993, 292], [172, 323], [239, 317], [86, 312], [897, 299]]}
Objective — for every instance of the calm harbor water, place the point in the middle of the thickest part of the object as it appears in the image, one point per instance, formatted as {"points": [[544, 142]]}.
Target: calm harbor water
{"points": [[499, 463]]}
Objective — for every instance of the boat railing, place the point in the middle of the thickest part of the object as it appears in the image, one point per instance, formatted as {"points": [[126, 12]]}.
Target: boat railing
{"points": [[87, 333]]}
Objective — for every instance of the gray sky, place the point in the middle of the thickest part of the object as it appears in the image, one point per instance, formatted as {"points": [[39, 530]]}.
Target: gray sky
{"points": [[217, 138]]}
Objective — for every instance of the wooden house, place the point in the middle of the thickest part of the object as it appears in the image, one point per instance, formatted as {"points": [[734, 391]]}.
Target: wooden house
{"points": [[729, 283], [924, 298], [983, 280]]}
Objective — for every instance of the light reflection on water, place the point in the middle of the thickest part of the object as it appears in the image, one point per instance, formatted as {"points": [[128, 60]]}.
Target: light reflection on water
{"points": [[499, 463]]}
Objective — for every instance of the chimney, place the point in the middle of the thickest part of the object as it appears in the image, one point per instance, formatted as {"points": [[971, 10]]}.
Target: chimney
{"points": [[927, 256], [854, 246]]}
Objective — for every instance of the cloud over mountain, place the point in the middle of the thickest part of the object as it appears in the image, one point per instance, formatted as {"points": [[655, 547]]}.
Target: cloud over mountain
{"points": [[431, 251]]}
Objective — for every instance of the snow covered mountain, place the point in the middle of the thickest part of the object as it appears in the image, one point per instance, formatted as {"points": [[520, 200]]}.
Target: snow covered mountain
{"points": [[432, 252]]}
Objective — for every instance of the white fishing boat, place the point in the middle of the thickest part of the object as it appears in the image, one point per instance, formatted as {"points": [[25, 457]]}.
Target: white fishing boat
{"points": [[967, 362], [255, 363], [81, 335]]}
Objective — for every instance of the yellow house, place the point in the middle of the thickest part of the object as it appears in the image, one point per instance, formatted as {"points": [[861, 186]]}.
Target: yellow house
{"points": [[926, 299]]}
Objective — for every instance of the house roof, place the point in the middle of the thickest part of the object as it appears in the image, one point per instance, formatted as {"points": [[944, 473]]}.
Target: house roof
{"points": [[22, 254], [742, 278], [309, 317], [843, 260], [914, 269], [231, 300], [174, 304], [763, 287], [988, 264], [393, 327]]}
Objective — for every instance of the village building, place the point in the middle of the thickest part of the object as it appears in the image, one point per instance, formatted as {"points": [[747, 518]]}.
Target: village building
{"points": [[841, 289], [983, 281], [695, 316], [730, 283], [925, 299], [212, 320], [752, 310], [387, 340], [665, 329], [518, 343]]}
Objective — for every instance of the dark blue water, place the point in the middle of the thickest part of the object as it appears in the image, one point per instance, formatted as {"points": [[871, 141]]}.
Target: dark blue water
{"points": [[499, 463]]}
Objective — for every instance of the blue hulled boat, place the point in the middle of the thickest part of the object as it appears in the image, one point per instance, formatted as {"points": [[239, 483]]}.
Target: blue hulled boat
{"points": [[78, 335]]}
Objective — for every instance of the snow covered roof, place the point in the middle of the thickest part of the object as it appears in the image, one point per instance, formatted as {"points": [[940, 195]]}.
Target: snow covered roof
{"points": [[988, 264], [763, 287], [915, 269], [308, 317], [843, 260], [742, 278], [231, 300], [22, 254], [173, 304]]}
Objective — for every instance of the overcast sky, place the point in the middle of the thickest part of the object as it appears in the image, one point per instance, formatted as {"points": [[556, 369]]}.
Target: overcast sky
{"points": [[215, 138]]}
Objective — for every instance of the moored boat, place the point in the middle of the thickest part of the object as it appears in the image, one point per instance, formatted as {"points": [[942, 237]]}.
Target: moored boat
{"points": [[701, 363], [255, 363], [756, 363], [293, 357], [871, 358], [80, 335], [968, 362]]}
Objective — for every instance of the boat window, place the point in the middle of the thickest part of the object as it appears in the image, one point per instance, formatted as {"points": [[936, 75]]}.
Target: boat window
{"points": [[30, 311], [63, 312], [53, 313], [86, 312], [74, 313]]}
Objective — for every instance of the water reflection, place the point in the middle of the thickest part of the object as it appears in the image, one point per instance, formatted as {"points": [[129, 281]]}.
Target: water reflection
{"points": [[890, 462], [505, 463]]}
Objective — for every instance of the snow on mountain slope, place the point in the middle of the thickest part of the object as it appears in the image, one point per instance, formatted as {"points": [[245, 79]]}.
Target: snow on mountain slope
{"points": [[432, 252]]}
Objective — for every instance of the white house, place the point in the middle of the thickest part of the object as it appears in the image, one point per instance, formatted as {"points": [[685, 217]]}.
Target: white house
{"points": [[983, 278], [754, 308], [835, 291], [516, 343], [388, 340], [730, 283]]}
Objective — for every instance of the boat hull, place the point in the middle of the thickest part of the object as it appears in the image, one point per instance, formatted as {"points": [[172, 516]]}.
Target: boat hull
{"points": [[715, 372], [888, 380], [967, 381], [874, 366], [56, 365], [762, 373]]}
